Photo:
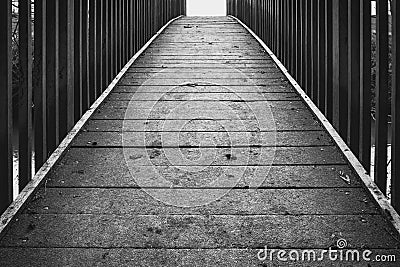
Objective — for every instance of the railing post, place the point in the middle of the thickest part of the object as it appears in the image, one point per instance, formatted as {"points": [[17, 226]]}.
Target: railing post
{"points": [[298, 40], [292, 47], [52, 69], [6, 155], [308, 65], [132, 25], [99, 48], [66, 66], [85, 56], [328, 60], [25, 93], [321, 55], [314, 50], [340, 66], [396, 106], [303, 44], [365, 83], [354, 76], [382, 103], [112, 38], [106, 44], [78, 68], [92, 51], [39, 84]]}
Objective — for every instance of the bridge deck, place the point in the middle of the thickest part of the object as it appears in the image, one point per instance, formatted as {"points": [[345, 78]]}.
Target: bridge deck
{"points": [[195, 109]]}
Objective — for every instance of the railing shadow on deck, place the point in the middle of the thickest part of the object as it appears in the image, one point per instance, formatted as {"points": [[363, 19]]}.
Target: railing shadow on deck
{"points": [[326, 47], [69, 52]]}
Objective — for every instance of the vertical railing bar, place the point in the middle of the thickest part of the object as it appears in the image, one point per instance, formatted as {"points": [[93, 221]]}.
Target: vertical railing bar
{"points": [[298, 40], [321, 55], [99, 48], [25, 93], [118, 36], [66, 66], [365, 83], [292, 47], [328, 60], [354, 76], [78, 111], [131, 28], [85, 56], [129, 12], [314, 50], [303, 44], [123, 33], [39, 84], [340, 66], [106, 46], [92, 51], [115, 40], [6, 155], [382, 63], [52, 82], [395, 193], [308, 62]]}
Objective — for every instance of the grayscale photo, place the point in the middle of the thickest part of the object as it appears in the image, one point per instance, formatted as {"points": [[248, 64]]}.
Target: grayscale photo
{"points": [[181, 133]]}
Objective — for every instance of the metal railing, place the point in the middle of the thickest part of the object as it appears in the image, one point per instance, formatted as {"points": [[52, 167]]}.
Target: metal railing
{"points": [[326, 47], [69, 52]]}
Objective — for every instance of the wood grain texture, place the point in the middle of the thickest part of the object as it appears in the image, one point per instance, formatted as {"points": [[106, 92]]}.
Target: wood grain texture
{"points": [[308, 198]]}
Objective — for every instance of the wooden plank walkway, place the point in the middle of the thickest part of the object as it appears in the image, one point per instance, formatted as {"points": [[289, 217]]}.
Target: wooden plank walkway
{"points": [[202, 117]]}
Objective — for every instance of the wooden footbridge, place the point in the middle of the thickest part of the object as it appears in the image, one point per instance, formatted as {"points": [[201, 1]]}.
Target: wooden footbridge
{"points": [[202, 151]]}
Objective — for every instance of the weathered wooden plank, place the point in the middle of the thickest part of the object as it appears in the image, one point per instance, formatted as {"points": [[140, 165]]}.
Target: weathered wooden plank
{"points": [[141, 115], [283, 156], [284, 122], [273, 74], [202, 139], [205, 97], [203, 61], [73, 173], [221, 82], [198, 231], [212, 89], [257, 106], [196, 68], [161, 258], [324, 201]]}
